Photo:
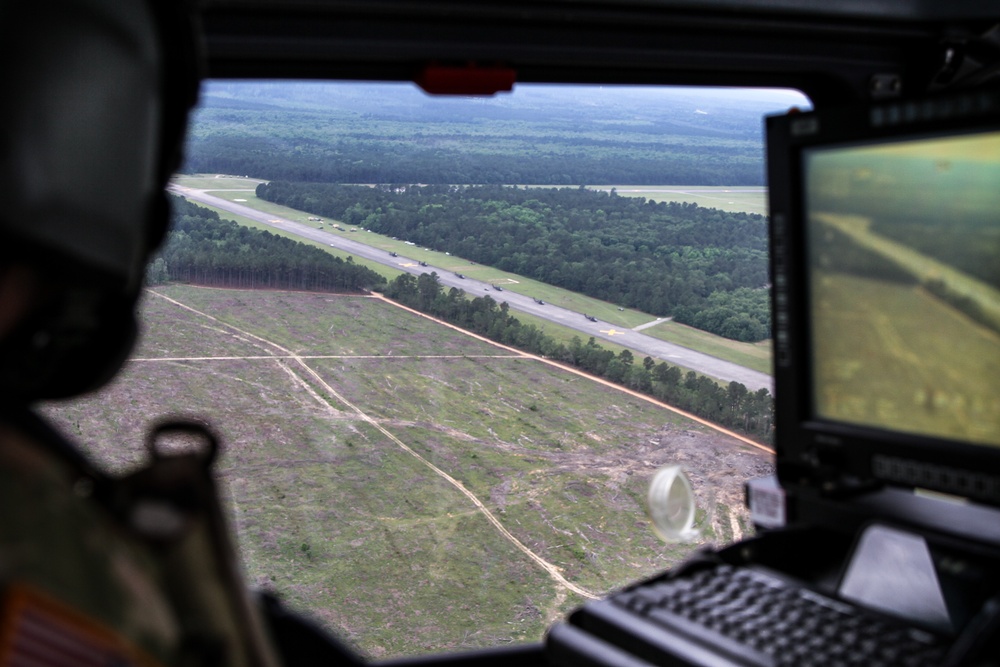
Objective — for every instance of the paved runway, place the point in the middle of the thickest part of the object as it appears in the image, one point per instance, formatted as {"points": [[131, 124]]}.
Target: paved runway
{"points": [[638, 342]]}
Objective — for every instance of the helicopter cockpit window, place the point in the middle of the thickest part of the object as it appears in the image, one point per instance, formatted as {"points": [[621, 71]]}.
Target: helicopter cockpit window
{"points": [[448, 342]]}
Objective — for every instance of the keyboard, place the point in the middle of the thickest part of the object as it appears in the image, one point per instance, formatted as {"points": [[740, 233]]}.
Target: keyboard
{"points": [[723, 615]]}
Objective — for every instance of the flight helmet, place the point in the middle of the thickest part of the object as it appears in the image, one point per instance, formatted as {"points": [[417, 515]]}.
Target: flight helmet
{"points": [[96, 99]]}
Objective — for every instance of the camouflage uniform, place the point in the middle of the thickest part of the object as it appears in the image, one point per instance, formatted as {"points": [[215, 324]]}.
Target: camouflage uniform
{"points": [[135, 571]]}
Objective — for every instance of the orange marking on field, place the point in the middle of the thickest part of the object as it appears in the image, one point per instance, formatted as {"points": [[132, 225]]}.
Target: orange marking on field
{"points": [[576, 371]]}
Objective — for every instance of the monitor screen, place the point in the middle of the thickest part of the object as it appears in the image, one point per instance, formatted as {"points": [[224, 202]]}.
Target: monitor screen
{"points": [[885, 226], [904, 284]]}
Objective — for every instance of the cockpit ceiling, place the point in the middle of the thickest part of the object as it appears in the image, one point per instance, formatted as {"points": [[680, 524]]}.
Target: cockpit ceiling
{"points": [[910, 10], [831, 50]]}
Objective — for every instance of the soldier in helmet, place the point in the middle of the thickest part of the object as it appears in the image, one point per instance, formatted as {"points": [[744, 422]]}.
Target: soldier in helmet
{"points": [[95, 570]]}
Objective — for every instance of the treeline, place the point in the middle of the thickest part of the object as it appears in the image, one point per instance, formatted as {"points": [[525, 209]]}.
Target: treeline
{"points": [[378, 161], [203, 249], [551, 135], [733, 406], [704, 267]]}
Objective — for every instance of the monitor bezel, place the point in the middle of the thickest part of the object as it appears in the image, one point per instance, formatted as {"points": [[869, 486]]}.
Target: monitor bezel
{"points": [[837, 457]]}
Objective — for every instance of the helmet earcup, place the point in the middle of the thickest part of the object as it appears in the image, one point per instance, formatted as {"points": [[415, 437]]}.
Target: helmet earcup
{"points": [[98, 95]]}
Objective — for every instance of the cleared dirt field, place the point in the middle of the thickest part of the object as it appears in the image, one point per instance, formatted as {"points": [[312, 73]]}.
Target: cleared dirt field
{"points": [[411, 487]]}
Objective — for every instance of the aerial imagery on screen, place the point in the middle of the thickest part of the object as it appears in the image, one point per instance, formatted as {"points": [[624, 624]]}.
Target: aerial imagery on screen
{"points": [[905, 286]]}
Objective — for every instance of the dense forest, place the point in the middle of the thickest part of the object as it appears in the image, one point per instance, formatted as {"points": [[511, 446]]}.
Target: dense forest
{"points": [[360, 161], [205, 250], [733, 406], [540, 135], [704, 267]]}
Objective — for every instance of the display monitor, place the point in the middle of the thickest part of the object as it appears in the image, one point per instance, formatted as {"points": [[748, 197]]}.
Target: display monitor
{"points": [[886, 271]]}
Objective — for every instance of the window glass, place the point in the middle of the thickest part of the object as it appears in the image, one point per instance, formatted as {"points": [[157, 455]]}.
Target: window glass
{"points": [[455, 459]]}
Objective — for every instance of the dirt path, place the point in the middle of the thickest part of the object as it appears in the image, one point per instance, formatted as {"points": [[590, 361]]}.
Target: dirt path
{"points": [[289, 355], [716, 464]]}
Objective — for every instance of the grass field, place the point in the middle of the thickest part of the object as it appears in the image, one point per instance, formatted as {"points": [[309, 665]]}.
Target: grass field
{"points": [[751, 355], [756, 356], [356, 438], [386, 271], [735, 199]]}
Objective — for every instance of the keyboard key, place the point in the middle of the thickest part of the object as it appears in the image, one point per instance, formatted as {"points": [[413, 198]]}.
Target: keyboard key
{"points": [[758, 619]]}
